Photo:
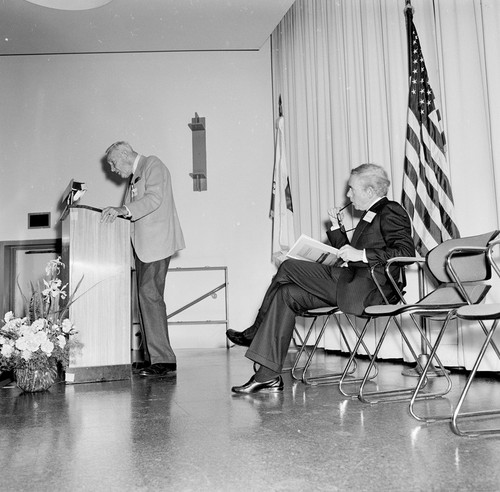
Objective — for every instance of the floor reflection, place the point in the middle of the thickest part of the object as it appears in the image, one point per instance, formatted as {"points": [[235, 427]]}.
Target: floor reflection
{"points": [[188, 432]]}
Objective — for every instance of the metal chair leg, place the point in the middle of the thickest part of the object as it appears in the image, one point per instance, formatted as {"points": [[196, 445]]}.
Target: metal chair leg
{"points": [[483, 413], [402, 394], [373, 365], [391, 395], [423, 379], [327, 378], [302, 349]]}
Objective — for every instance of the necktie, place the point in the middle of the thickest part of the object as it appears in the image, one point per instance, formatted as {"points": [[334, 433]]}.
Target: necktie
{"points": [[132, 190]]}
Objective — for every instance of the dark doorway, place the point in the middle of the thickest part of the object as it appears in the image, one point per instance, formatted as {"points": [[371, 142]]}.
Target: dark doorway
{"points": [[22, 262]]}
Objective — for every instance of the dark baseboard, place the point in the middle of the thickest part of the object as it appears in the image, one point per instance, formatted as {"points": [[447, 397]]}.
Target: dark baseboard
{"points": [[97, 374], [6, 377]]}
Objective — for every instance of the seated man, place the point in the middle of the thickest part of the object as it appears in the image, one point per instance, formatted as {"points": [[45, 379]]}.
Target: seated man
{"points": [[383, 232]]}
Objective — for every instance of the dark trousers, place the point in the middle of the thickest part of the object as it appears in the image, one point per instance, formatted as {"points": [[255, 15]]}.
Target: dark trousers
{"points": [[151, 278], [296, 287]]}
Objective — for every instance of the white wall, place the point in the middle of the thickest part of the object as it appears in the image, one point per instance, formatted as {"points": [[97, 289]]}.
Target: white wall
{"points": [[59, 113]]}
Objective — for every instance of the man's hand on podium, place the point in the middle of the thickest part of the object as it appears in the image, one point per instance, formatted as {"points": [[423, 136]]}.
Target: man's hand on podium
{"points": [[109, 214]]}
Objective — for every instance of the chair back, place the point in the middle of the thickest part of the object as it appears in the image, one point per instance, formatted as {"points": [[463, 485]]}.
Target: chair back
{"points": [[397, 292], [469, 266], [492, 251]]}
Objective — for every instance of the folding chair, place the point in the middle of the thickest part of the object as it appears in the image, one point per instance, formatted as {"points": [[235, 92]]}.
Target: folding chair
{"points": [[439, 304], [301, 373], [334, 311], [471, 312]]}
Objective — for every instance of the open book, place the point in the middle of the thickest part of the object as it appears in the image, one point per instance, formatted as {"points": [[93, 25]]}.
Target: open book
{"points": [[308, 249]]}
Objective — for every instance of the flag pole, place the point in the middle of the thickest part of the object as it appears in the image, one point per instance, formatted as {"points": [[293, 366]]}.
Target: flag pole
{"points": [[412, 176]]}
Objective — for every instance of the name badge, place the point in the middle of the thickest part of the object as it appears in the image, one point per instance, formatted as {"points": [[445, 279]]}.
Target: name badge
{"points": [[369, 216]]}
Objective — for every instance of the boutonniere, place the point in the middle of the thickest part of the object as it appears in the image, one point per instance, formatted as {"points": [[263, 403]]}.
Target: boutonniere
{"points": [[133, 191]]}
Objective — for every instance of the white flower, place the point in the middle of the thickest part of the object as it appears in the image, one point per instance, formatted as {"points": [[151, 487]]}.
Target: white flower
{"points": [[62, 340], [40, 337], [21, 343], [54, 267], [39, 324], [32, 343], [62, 292], [26, 330], [67, 326], [8, 316], [26, 354], [53, 287], [47, 347], [7, 350]]}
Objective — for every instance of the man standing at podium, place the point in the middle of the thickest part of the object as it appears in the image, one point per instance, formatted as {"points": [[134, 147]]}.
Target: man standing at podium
{"points": [[156, 235]]}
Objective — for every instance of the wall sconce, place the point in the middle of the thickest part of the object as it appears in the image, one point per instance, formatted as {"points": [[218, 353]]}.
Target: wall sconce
{"points": [[199, 173]]}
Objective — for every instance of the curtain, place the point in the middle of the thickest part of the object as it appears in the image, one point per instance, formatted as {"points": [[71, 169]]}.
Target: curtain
{"points": [[344, 91], [341, 68]]}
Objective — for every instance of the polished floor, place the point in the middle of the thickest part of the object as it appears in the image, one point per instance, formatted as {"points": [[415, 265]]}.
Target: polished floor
{"points": [[189, 433]]}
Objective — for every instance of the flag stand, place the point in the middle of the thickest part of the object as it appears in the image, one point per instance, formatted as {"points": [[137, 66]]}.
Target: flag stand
{"points": [[416, 371]]}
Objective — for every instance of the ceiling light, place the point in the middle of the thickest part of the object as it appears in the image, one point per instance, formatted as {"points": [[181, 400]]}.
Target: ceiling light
{"points": [[70, 4]]}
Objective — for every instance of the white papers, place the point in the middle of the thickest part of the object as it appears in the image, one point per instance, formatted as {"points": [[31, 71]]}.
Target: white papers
{"points": [[308, 249]]}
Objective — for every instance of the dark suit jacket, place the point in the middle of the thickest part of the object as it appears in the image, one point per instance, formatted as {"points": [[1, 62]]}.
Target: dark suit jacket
{"points": [[384, 231]]}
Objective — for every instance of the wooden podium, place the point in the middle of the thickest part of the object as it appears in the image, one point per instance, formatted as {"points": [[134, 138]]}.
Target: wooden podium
{"points": [[100, 254]]}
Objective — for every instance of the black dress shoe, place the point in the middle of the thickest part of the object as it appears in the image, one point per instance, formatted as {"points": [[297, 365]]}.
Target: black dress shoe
{"points": [[253, 386], [238, 338], [157, 370], [138, 366]]}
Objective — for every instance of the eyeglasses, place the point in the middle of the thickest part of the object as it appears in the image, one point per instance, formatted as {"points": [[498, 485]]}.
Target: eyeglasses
{"points": [[341, 223], [340, 220]]}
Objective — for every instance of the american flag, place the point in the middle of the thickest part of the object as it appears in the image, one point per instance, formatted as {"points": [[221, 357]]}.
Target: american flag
{"points": [[427, 192], [281, 200]]}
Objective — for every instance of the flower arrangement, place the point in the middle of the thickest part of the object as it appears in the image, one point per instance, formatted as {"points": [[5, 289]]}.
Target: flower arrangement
{"points": [[24, 343], [40, 341]]}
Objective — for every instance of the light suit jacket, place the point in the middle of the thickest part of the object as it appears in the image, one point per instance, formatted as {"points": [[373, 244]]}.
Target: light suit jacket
{"points": [[155, 229]]}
